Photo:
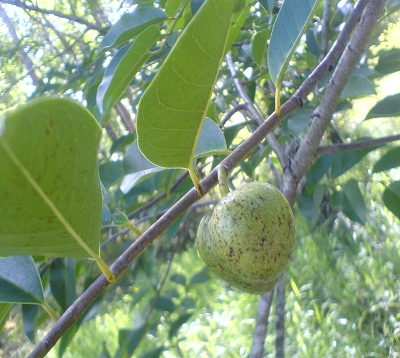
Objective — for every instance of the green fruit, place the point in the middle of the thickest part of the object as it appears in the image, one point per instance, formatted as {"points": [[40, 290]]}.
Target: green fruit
{"points": [[249, 237]]}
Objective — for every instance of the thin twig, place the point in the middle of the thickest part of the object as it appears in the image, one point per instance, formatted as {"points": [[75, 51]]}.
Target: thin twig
{"points": [[361, 144], [231, 112]]}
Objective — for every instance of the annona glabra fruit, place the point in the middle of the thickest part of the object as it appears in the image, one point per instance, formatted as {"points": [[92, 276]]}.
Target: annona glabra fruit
{"points": [[249, 237]]}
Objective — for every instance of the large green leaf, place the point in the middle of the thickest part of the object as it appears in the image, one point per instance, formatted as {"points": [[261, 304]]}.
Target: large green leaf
{"points": [[20, 280], [130, 25], [259, 46], [387, 107], [391, 198], [290, 25], [173, 108], [62, 281], [389, 61], [49, 181], [122, 70]]}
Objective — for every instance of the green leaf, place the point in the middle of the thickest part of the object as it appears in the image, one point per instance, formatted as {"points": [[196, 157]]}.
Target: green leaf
{"points": [[5, 309], [290, 24], [178, 278], [122, 142], [267, 5], [353, 202], [391, 198], [173, 108], [200, 277], [211, 140], [153, 353], [137, 168], [130, 25], [49, 181], [122, 70], [356, 86], [164, 303], [387, 107], [299, 120], [318, 170], [343, 161], [62, 281], [388, 161], [389, 61], [259, 46], [111, 173], [310, 203], [20, 281], [175, 325], [29, 313]]}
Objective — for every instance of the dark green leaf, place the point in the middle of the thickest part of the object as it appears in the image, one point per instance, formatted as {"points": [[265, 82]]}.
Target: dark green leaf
{"points": [[267, 5], [388, 161], [20, 281], [318, 170], [312, 44], [164, 303], [195, 5], [122, 142], [343, 161], [62, 281], [178, 278], [111, 173], [310, 203], [29, 313], [353, 202], [200, 277], [153, 353], [387, 107], [391, 198], [259, 46], [178, 323], [299, 120], [130, 25]]}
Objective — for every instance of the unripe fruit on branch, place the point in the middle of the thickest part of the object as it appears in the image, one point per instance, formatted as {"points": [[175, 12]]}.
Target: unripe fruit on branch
{"points": [[249, 237]]}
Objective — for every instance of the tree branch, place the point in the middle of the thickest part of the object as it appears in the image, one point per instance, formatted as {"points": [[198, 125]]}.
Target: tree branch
{"points": [[366, 12], [78, 307], [361, 144], [260, 331], [73, 18]]}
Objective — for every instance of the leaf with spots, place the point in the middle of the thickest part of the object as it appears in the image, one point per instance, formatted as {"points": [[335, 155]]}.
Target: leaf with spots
{"points": [[173, 108], [50, 194]]}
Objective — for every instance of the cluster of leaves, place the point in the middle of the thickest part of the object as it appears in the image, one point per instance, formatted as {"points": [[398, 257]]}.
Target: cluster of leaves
{"points": [[145, 54]]}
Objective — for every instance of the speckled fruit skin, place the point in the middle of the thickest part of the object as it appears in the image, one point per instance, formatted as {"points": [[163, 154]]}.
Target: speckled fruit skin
{"points": [[249, 237]]}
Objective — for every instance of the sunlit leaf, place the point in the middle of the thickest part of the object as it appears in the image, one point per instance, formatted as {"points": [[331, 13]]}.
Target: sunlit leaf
{"points": [[388, 161], [48, 149], [130, 25], [122, 70], [387, 107], [290, 24], [169, 119]]}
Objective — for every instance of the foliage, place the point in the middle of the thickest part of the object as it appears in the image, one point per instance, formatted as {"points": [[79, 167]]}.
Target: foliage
{"points": [[196, 79]]}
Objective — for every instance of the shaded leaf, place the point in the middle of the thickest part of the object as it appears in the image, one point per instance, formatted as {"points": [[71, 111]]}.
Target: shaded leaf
{"points": [[62, 281], [131, 25], [211, 140], [122, 70], [309, 203], [122, 142], [111, 172], [298, 121], [200, 277], [48, 149], [343, 161], [387, 107], [267, 5], [357, 85], [29, 313], [169, 120], [391, 198], [388, 161], [164, 303], [175, 325], [259, 46], [353, 205], [153, 353], [20, 281], [290, 24], [318, 170], [178, 278]]}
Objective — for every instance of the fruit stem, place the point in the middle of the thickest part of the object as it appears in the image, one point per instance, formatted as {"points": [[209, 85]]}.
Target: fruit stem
{"points": [[222, 180]]}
